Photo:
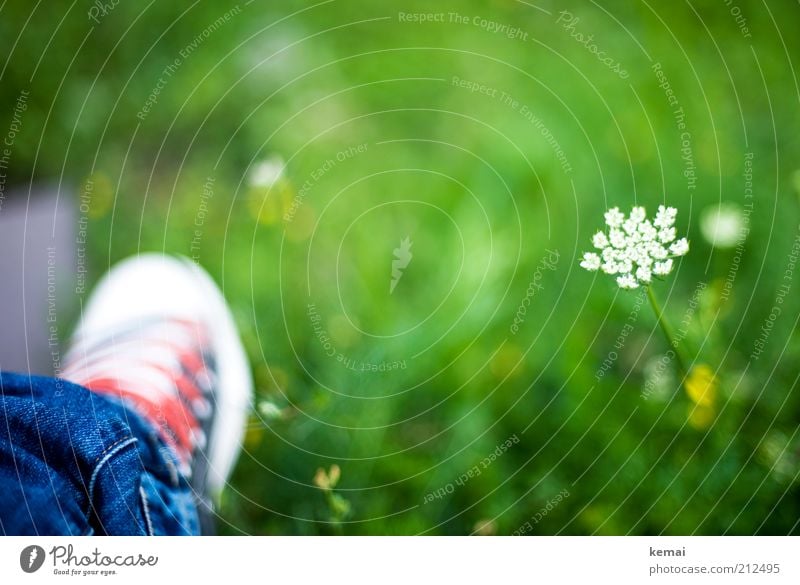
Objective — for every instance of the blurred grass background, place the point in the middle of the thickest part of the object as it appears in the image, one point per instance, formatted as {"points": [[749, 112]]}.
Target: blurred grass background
{"points": [[483, 196]]}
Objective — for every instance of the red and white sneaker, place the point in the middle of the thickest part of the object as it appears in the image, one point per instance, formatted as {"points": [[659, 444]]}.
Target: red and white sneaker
{"points": [[158, 335]]}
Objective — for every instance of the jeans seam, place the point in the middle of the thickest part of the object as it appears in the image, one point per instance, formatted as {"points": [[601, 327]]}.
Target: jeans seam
{"points": [[146, 509], [101, 460]]}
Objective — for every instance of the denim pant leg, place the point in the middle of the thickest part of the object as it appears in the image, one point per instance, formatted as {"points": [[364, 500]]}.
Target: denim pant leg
{"points": [[74, 462]]}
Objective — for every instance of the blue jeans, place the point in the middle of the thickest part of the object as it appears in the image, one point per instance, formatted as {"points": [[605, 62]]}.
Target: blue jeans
{"points": [[76, 463]]}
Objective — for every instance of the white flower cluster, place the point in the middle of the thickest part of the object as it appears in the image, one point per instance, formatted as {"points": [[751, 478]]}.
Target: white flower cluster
{"points": [[636, 249]]}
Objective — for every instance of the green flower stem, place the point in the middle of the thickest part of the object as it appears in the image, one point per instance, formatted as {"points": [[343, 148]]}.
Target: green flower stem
{"points": [[667, 331]]}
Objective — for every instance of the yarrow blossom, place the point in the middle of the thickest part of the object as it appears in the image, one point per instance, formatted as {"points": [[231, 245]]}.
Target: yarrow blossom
{"points": [[636, 249]]}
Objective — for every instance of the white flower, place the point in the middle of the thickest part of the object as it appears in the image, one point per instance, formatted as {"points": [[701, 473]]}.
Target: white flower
{"points": [[627, 281], [638, 214], [648, 231], [636, 249], [267, 172], [643, 274], [617, 238], [679, 248], [657, 251], [268, 410], [663, 268], [666, 235], [630, 226], [645, 261], [723, 225], [600, 240], [614, 218], [591, 261], [665, 217]]}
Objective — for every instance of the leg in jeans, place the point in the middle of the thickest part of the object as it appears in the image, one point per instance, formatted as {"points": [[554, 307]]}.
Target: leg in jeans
{"points": [[78, 463], [146, 435]]}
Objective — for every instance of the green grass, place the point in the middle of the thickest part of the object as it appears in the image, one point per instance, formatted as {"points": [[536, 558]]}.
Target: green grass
{"points": [[482, 194]]}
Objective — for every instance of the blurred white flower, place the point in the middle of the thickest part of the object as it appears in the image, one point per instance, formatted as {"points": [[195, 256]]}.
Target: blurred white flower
{"points": [[267, 172], [638, 251], [722, 225], [269, 410]]}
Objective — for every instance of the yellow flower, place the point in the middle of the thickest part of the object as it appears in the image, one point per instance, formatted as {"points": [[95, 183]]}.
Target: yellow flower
{"points": [[700, 417], [485, 528], [327, 480], [334, 474], [269, 205], [321, 479], [701, 386]]}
